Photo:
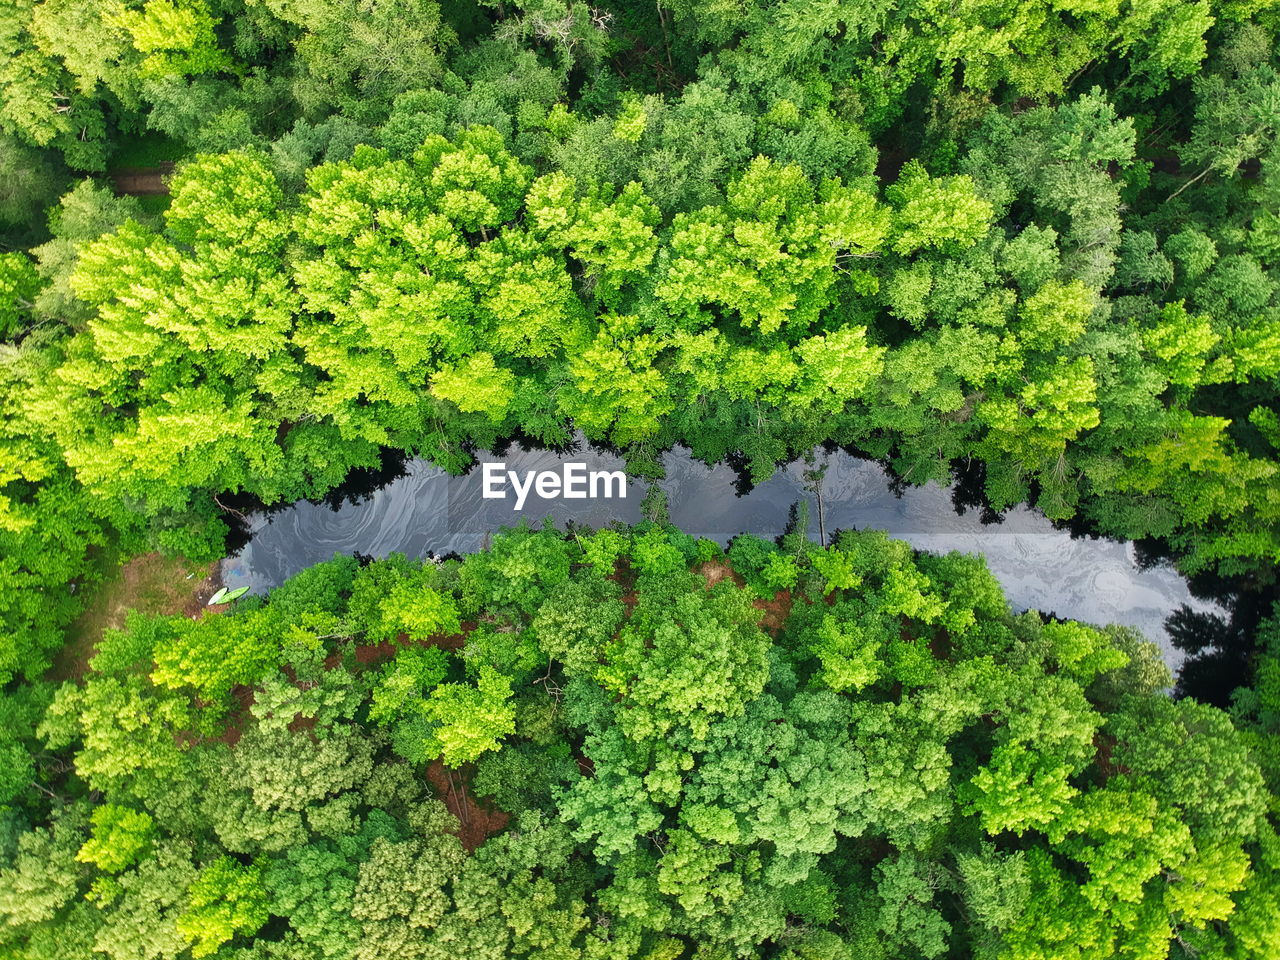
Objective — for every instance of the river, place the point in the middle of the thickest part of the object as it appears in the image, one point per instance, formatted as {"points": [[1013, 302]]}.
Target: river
{"points": [[425, 511]]}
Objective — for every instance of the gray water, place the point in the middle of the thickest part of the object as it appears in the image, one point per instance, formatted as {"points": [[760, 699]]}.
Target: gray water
{"points": [[426, 511]]}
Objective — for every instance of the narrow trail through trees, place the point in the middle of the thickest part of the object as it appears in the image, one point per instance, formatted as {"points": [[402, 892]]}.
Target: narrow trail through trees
{"points": [[141, 181]]}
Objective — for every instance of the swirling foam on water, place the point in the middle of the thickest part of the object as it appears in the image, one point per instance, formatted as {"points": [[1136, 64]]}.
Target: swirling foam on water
{"points": [[426, 511]]}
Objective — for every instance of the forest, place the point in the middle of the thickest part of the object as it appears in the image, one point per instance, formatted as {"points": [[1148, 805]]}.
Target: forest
{"points": [[637, 746], [1032, 245]]}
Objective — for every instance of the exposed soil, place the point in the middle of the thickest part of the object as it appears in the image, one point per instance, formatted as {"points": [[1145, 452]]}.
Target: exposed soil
{"points": [[624, 577], [451, 641], [367, 654], [150, 583], [1105, 744], [244, 700], [299, 723], [775, 611], [477, 821], [713, 571], [373, 654], [141, 181], [197, 605]]}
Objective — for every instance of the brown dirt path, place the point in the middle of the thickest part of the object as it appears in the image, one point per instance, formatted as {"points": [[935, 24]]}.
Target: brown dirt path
{"points": [[141, 181]]}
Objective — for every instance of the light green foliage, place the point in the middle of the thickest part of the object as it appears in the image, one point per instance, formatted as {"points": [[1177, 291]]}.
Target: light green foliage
{"points": [[780, 774], [1122, 837], [519, 571], [263, 796], [120, 837], [420, 612], [19, 284], [126, 733], [314, 694], [404, 879], [613, 237], [577, 620], [1036, 423], [614, 390], [217, 652], [436, 294], [1181, 342], [469, 720], [1055, 314], [631, 122], [40, 873], [1046, 740], [414, 673], [476, 386], [849, 653], [226, 899], [1080, 651], [837, 569], [934, 213], [686, 664], [1196, 761], [996, 886], [143, 920], [767, 256], [175, 38], [85, 213], [834, 369], [475, 183]]}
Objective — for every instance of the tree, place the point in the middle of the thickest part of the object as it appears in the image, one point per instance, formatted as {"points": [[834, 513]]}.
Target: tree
{"points": [[85, 213], [934, 213], [682, 667], [19, 285], [467, 721], [1176, 744], [30, 180], [175, 39], [263, 797], [120, 837], [907, 916], [125, 730], [213, 654], [40, 873], [767, 256], [1236, 120], [226, 899], [359, 60]]}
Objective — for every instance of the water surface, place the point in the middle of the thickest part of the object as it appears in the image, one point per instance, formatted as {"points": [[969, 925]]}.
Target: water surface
{"points": [[425, 512]]}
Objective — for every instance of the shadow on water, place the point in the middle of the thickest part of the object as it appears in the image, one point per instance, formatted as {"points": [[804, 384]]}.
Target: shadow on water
{"points": [[360, 484], [969, 491], [1219, 649]]}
